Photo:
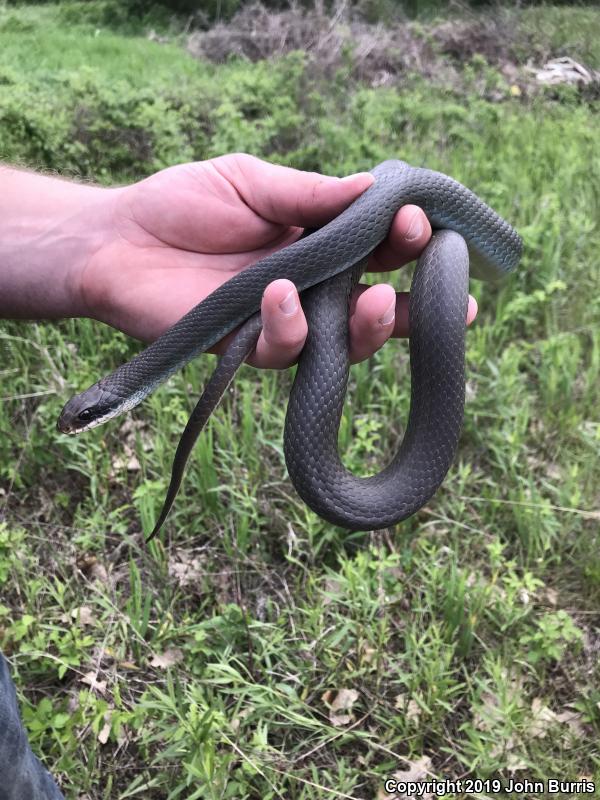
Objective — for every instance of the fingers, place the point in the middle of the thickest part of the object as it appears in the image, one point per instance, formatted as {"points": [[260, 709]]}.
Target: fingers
{"points": [[471, 310], [408, 236], [372, 320], [285, 196], [284, 327], [377, 313], [289, 196]]}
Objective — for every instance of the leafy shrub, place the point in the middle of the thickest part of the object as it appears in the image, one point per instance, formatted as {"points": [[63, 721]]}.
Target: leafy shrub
{"points": [[555, 633], [110, 13], [82, 123]]}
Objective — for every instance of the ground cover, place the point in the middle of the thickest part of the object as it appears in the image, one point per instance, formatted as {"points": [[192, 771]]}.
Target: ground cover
{"points": [[257, 651]]}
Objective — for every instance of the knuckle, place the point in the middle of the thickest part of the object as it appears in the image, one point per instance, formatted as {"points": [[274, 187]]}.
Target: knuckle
{"points": [[290, 341]]}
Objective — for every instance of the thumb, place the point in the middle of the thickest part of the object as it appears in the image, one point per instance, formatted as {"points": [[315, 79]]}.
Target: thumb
{"points": [[289, 196]]}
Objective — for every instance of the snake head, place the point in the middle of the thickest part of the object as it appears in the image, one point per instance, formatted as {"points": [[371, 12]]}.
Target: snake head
{"points": [[86, 410]]}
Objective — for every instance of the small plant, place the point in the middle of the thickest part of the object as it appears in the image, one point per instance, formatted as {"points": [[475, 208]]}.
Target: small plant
{"points": [[553, 635]]}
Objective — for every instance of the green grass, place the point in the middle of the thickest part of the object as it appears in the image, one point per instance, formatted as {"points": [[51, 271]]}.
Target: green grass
{"points": [[58, 49], [565, 31], [469, 633]]}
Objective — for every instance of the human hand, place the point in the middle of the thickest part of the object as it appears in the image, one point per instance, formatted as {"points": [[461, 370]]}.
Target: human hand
{"points": [[176, 236]]}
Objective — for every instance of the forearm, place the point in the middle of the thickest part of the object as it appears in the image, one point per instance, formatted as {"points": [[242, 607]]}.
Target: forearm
{"points": [[49, 229]]}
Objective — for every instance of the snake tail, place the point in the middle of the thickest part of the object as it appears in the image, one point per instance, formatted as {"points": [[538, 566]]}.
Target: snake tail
{"points": [[240, 348]]}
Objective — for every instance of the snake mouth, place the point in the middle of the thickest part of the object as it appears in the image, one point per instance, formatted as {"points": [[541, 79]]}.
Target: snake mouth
{"points": [[65, 426], [86, 411]]}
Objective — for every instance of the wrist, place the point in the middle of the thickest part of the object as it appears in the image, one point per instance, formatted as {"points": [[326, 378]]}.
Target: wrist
{"points": [[49, 230]]}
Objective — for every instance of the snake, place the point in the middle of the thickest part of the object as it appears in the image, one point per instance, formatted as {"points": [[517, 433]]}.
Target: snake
{"points": [[469, 239]]}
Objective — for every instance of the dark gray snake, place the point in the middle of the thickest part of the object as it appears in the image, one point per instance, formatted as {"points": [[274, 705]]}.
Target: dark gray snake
{"points": [[331, 260]]}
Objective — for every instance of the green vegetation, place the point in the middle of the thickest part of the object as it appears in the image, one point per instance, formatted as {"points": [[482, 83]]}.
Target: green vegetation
{"points": [[258, 651]]}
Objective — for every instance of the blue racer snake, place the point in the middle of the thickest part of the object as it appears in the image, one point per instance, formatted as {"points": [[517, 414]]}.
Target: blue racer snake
{"points": [[325, 265]]}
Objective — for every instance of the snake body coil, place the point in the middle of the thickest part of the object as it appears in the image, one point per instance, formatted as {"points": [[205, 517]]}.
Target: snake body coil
{"points": [[331, 261]]}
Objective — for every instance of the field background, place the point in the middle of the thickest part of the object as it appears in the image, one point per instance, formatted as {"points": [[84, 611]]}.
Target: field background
{"points": [[256, 651]]}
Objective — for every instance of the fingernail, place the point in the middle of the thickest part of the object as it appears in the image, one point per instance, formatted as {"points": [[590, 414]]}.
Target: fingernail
{"points": [[471, 309], [415, 227], [289, 304], [389, 314], [348, 178]]}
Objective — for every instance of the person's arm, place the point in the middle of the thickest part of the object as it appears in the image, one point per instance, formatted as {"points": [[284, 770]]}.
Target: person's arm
{"points": [[49, 228]]}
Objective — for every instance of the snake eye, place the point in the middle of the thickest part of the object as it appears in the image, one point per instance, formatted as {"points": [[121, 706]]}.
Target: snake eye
{"points": [[85, 415]]}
